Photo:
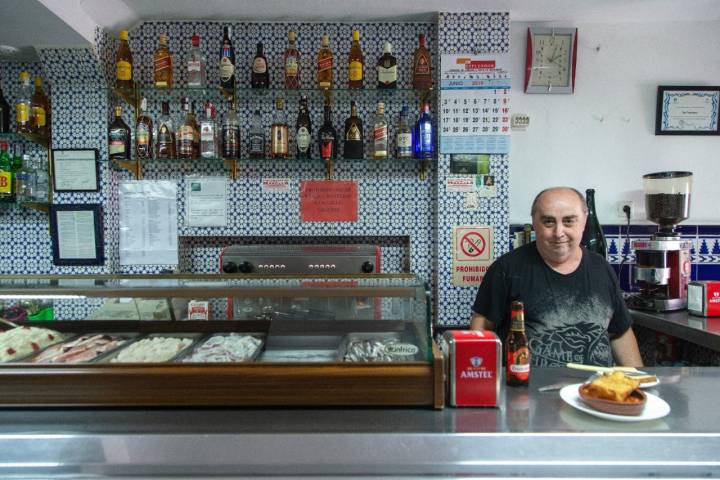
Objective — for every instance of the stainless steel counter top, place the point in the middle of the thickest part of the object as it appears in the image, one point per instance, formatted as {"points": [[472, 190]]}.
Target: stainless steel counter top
{"points": [[698, 330], [531, 434]]}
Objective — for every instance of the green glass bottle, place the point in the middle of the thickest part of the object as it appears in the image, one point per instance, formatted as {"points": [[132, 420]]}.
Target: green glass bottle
{"points": [[593, 238]]}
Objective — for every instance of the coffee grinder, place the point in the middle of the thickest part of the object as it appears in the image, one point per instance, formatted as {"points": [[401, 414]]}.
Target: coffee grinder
{"points": [[662, 264]]}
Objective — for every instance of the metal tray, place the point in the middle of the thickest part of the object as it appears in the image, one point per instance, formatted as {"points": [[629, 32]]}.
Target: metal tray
{"points": [[382, 337], [300, 349], [190, 351], [191, 336], [127, 337]]}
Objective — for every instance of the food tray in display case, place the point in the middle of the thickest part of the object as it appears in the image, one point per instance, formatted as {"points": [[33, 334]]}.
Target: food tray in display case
{"points": [[298, 359]]}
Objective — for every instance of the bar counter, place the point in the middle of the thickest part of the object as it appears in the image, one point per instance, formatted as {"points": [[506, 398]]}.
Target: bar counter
{"points": [[701, 331], [532, 434]]}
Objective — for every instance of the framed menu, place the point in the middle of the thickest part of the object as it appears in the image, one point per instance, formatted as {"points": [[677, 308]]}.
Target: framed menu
{"points": [[77, 234], [687, 111], [75, 170]]}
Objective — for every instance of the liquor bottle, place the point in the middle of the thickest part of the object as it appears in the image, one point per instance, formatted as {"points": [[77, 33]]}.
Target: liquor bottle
{"points": [[356, 62], [165, 141], [143, 133], [291, 60], [4, 114], [209, 133], [380, 133], [403, 136], [7, 175], [260, 75], [196, 65], [592, 237], [517, 367], [124, 64], [354, 138], [387, 68], [42, 181], [25, 181], [119, 137], [424, 135], [163, 64], [227, 63], [325, 64], [327, 137], [303, 130], [256, 138], [279, 131], [22, 106], [186, 133], [196, 141], [40, 111], [231, 133], [421, 71]]}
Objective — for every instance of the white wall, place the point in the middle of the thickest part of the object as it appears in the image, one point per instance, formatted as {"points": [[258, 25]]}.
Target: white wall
{"points": [[602, 136]]}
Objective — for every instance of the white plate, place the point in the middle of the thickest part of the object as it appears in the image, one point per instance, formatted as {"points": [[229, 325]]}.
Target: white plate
{"points": [[655, 407]]}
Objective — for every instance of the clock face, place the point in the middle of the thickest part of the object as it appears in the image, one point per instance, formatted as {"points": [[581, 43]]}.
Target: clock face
{"points": [[551, 60]]}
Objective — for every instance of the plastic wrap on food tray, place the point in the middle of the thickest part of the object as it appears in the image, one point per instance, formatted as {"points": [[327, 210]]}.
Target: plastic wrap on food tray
{"points": [[152, 349], [228, 348]]}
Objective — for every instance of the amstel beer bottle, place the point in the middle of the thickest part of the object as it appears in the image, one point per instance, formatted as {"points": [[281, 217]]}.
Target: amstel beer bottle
{"points": [[517, 369]]}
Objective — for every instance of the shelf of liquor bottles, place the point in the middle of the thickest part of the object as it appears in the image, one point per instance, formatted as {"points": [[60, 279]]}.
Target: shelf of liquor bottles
{"points": [[19, 175]]}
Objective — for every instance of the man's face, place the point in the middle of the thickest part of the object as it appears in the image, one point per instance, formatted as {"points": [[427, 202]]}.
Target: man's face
{"points": [[559, 222]]}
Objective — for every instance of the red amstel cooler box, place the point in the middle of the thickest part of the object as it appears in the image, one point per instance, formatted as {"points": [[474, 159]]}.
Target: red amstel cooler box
{"points": [[472, 363], [704, 298]]}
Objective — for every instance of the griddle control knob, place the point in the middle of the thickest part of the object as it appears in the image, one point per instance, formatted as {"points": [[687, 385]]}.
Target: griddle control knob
{"points": [[246, 267], [230, 267], [368, 267]]}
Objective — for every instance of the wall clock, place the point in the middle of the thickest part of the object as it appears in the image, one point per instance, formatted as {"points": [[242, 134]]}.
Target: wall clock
{"points": [[550, 60]]}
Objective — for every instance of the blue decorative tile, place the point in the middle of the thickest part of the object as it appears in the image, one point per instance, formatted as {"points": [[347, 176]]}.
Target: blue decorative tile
{"points": [[708, 272], [709, 230]]}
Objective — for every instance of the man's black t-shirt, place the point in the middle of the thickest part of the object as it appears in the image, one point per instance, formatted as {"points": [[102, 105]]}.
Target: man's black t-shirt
{"points": [[567, 317]]}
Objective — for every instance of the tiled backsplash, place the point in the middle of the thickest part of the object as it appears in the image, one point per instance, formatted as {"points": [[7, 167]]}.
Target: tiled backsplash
{"points": [[705, 254]]}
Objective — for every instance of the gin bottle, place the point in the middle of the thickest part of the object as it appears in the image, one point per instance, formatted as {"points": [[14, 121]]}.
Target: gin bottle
{"points": [[208, 133], [196, 63]]}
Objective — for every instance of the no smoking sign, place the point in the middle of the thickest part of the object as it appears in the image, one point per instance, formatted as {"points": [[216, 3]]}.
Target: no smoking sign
{"points": [[472, 254]]}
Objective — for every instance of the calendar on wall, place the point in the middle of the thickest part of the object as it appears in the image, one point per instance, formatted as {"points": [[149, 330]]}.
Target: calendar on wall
{"points": [[475, 104]]}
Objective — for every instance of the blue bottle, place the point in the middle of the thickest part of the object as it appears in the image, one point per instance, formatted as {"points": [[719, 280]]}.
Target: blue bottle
{"points": [[424, 137]]}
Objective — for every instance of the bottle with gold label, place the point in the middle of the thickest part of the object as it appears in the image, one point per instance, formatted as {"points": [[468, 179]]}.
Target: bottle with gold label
{"points": [[40, 111], [356, 62], [517, 367], [354, 141], [421, 69], [22, 106], [119, 138], [163, 64], [380, 133], [186, 133], [325, 64], [292, 63], [279, 131], [124, 64], [143, 133]]}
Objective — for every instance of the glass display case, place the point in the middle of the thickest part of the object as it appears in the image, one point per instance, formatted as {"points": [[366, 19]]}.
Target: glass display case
{"points": [[217, 340]]}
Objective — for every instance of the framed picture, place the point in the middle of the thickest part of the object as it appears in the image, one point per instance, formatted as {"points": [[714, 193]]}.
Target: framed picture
{"points": [[77, 237], [75, 170], [687, 111]]}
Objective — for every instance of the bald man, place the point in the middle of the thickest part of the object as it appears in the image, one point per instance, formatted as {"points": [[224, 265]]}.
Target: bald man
{"points": [[574, 310]]}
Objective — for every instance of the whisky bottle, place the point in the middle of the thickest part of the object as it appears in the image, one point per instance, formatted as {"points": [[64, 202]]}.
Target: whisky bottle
{"points": [[292, 63], [227, 63], [22, 106], [143, 133], [124, 64], [303, 131], [231, 133], [163, 64], [119, 138], [209, 133], [279, 131], [4, 114], [387, 68], [256, 138], [196, 140], [260, 75], [421, 71], [325, 64], [380, 133], [186, 133], [354, 141], [40, 111], [196, 65], [165, 134], [7, 175], [327, 137], [424, 134], [356, 62], [403, 136]]}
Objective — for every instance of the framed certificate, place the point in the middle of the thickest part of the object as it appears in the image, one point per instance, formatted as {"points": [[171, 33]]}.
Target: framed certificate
{"points": [[75, 170], [77, 234], [687, 111]]}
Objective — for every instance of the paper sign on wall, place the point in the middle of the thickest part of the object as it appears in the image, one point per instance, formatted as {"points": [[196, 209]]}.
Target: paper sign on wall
{"points": [[472, 254], [328, 201]]}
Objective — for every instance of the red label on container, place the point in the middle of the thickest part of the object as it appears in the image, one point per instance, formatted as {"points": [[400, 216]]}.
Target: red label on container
{"points": [[475, 378], [518, 363], [325, 64], [328, 201]]}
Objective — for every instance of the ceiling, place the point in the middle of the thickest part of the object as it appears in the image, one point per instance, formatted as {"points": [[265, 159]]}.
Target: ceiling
{"points": [[28, 23]]}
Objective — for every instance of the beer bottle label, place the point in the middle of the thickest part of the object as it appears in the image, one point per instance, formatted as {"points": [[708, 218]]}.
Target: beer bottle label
{"points": [[519, 363]]}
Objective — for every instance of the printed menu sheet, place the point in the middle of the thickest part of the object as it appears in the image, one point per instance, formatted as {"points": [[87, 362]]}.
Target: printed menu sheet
{"points": [[475, 104]]}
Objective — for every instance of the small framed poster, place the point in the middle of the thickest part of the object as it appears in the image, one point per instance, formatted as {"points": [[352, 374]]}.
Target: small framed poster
{"points": [[75, 170], [687, 111], [77, 237]]}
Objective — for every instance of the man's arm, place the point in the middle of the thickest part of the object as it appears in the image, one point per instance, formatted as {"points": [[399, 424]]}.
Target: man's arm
{"points": [[625, 350], [480, 322]]}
